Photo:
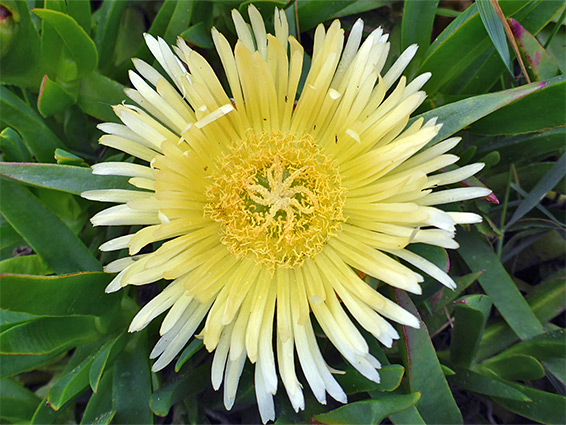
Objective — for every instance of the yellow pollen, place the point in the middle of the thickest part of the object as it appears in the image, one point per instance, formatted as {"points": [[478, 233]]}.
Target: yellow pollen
{"points": [[278, 197]]}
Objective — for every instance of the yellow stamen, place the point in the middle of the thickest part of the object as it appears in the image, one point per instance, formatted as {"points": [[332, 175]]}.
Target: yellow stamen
{"points": [[278, 197]]}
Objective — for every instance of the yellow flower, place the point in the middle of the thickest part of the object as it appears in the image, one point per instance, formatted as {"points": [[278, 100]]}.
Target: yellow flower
{"points": [[271, 205]]}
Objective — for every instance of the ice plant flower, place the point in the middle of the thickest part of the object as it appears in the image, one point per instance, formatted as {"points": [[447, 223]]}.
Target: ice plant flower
{"points": [[269, 204]]}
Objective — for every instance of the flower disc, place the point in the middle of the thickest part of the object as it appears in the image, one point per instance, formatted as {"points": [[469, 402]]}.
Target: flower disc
{"points": [[278, 198]]}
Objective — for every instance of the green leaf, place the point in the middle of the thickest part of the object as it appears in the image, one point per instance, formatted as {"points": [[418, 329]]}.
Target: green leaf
{"points": [[39, 138], [546, 301], [407, 416], [52, 98], [99, 407], [528, 147], [104, 358], [495, 30], [516, 367], [471, 313], [545, 407], [480, 384], [27, 264], [545, 185], [11, 365], [67, 158], [455, 116], [130, 35], [77, 41], [448, 295], [538, 61], [460, 46], [498, 285], [188, 352], [44, 231], [65, 178], [540, 110], [13, 147], [437, 404], [416, 27], [79, 10], [551, 344], [183, 386], [179, 20], [108, 17], [353, 382], [74, 378], [18, 403], [488, 68], [198, 35], [313, 12], [74, 294], [97, 94], [369, 411], [48, 334], [21, 53], [131, 386]]}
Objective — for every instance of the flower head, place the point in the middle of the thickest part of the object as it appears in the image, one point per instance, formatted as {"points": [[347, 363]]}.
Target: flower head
{"points": [[269, 203]]}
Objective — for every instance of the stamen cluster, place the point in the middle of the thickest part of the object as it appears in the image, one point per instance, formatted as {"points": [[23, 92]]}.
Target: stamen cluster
{"points": [[278, 198]]}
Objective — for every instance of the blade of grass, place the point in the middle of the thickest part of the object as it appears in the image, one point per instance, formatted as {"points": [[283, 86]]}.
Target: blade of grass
{"points": [[545, 185], [495, 30]]}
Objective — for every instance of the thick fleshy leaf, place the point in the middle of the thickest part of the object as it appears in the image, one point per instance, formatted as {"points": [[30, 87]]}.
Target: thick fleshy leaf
{"points": [[540, 110], [488, 69], [13, 147], [455, 116], [48, 334], [52, 98], [437, 404], [353, 382], [546, 301], [27, 264], [528, 147], [81, 293], [99, 407], [516, 367], [546, 408], [104, 358], [98, 93], [416, 27], [471, 313], [183, 386], [65, 178], [80, 11], [550, 344], [537, 60], [198, 35], [18, 403], [74, 378], [82, 48], [475, 382], [21, 53], [498, 285], [44, 231], [39, 138], [368, 411], [459, 46], [191, 349], [11, 365], [131, 385]]}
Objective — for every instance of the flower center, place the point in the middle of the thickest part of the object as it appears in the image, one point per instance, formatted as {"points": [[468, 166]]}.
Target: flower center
{"points": [[278, 197]]}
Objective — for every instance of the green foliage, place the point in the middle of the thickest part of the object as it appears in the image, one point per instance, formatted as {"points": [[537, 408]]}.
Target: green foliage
{"points": [[497, 340]]}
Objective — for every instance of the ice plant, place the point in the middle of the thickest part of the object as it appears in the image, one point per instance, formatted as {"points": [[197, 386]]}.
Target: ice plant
{"points": [[270, 204]]}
